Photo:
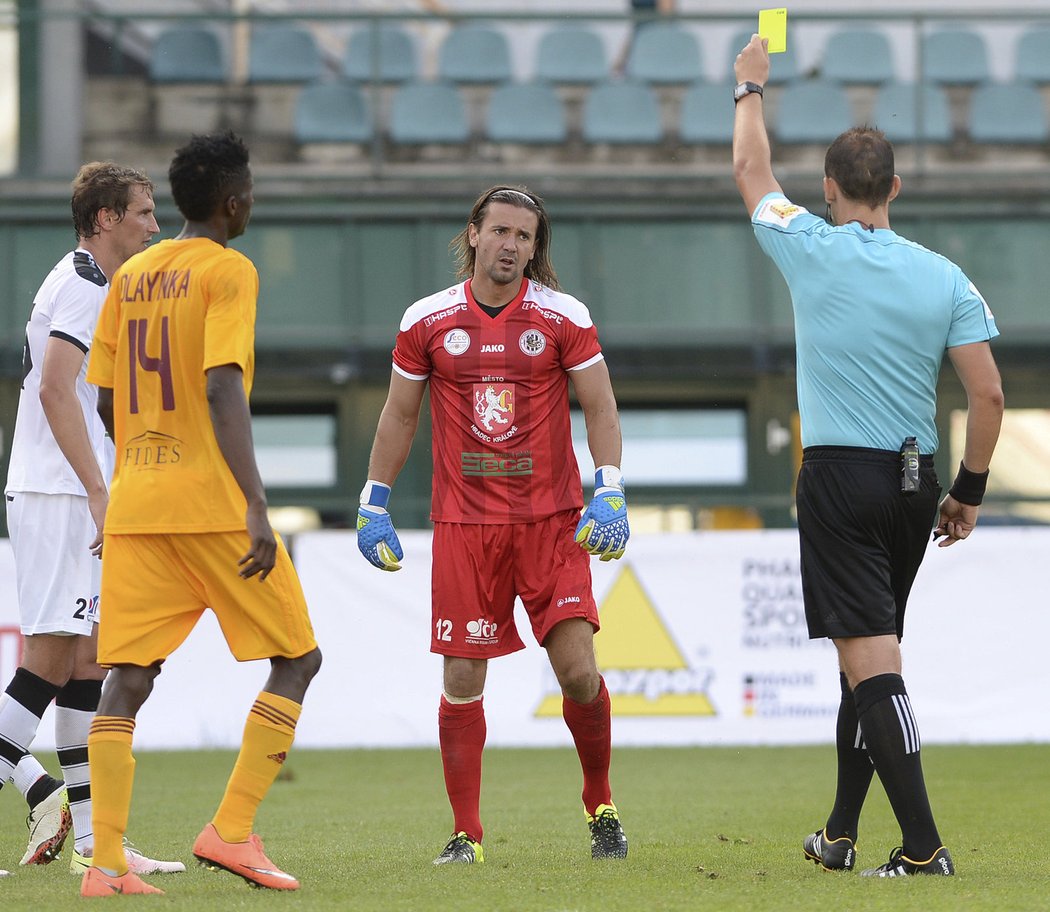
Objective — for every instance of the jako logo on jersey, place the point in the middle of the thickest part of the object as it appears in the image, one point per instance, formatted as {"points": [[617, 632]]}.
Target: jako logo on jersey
{"points": [[644, 669], [569, 600], [491, 348], [493, 406], [456, 341], [481, 632], [532, 342], [493, 464]]}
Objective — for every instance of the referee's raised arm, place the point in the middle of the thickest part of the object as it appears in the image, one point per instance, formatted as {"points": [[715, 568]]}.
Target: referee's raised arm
{"points": [[752, 166]]}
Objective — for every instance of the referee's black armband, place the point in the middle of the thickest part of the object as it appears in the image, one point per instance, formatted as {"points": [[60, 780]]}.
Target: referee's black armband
{"points": [[968, 487]]}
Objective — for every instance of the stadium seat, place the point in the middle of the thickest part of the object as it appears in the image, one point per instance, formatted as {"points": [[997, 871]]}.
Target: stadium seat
{"points": [[782, 67], [571, 54], [428, 112], [335, 112], [621, 113], [1007, 113], [1033, 56], [954, 56], [474, 54], [707, 114], [187, 53], [526, 113], [284, 53], [663, 53], [385, 51], [858, 56], [896, 113], [812, 112]]}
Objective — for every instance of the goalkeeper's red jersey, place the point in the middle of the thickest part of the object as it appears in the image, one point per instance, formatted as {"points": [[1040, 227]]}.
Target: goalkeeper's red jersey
{"points": [[499, 400]]}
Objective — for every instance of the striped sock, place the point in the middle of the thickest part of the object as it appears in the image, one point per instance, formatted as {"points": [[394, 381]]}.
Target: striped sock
{"points": [[892, 737], [268, 736], [75, 708], [112, 774], [854, 769], [21, 706]]}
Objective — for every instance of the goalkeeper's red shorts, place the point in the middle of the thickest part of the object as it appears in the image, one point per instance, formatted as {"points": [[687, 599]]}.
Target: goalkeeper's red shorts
{"points": [[479, 569]]}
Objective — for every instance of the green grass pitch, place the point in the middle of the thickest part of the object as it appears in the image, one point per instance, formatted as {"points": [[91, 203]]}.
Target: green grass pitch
{"points": [[710, 829]]}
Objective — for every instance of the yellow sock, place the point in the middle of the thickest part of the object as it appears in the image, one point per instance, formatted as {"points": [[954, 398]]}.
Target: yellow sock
{"points": [[112, 771], [268, 735]]}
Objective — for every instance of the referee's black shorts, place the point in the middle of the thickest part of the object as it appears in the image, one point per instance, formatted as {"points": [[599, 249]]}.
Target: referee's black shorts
{"points": [[861, 539]]}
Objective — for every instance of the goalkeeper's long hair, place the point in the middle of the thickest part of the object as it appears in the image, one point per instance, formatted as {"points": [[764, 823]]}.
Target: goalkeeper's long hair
{"points": [[539, 268]]}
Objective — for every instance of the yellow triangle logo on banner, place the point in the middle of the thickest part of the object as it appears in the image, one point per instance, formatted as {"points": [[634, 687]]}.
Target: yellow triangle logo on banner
{"points": [[645, 671]]}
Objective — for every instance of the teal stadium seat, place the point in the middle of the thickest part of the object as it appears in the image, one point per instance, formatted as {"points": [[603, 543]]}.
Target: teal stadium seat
{"points": [[1007, 113], [783, 68], [386, 51], [664, 53], [954, 56], [474, 54], [187, 53], [1033, 57], [529, 113], [707, 114], [284, 53], [332, 112], [858, 56], [621, 113], [571, 54], [812, 112], [896, 113], [428, 112]]}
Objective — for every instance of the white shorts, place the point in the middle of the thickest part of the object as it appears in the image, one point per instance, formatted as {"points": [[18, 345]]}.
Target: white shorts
{"points": [[58, 578]]}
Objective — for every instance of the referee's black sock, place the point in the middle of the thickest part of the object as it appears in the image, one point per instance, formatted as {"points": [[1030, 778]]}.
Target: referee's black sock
{"points": [[892, 738], [854, 769]]}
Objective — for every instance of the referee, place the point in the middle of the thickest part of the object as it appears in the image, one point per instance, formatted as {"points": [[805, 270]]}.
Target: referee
{"points": [[874, 314]]}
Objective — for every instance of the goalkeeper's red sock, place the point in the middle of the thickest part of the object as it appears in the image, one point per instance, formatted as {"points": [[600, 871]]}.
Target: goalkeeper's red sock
{"points": [[591, 729], [461, 733]]}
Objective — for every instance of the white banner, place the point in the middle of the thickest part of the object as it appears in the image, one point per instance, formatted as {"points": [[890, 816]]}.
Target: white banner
{"points": [[703, 641]]}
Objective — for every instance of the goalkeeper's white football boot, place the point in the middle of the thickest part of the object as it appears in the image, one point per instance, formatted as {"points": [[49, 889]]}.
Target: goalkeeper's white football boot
{"points": [[461, 849], [607, 836], [49, 824], [900, 865], [831, 854]]}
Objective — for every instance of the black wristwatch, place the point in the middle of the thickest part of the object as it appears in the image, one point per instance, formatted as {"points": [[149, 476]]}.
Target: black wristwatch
{"points": [[746, 88]]}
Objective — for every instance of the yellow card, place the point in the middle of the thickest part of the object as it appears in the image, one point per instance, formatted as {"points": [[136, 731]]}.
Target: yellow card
{"points": [[773, 24]]}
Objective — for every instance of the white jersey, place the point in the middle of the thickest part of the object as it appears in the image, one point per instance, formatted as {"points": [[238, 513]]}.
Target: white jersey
{"points": [[66, 307]]}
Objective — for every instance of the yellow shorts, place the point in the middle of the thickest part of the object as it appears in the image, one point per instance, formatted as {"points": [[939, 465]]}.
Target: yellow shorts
{"points": [[155, 588]]}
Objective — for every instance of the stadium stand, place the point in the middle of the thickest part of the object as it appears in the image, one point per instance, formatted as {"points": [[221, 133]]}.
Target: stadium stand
{"points": [[187, 53], [707, 114], [1007, 113], [955, 56], [664, 53], [475, 54], [814, 111], [384, 51], [571, 54], [858, 56], [1032, 56], [336, 112], [783, 68], [526, 113], [427, 113], [621, 113], [897, 113], [284, 53]]}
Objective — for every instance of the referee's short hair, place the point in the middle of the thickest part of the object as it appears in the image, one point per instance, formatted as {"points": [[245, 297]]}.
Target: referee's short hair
{"points": [[860, 161]]}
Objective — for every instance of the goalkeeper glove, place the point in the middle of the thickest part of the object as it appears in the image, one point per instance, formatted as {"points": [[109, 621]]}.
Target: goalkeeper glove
{"points": [[376, 538], [603, 528]]}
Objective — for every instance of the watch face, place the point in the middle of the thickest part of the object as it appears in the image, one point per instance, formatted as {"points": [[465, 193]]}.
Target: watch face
{"points": [[740, 91]]}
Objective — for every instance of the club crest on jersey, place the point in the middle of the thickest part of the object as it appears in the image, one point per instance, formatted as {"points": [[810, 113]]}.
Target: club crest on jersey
{"points": [[493, 405], [532, 342], [456, 341]]}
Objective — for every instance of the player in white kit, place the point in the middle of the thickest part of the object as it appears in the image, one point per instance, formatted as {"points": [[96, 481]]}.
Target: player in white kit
{"points": [[56, 497]]}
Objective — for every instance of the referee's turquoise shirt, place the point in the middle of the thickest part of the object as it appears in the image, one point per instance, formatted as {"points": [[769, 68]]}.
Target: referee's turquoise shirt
{"points": [[874, 313]]}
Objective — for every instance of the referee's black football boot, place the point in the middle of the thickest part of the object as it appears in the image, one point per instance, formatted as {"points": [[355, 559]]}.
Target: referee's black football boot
{"points": [[900, 865], [831, 854], [607, 836]]}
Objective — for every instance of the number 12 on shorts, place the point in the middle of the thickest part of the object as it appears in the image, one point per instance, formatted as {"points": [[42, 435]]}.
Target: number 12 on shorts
{"points": [[160, 365], [443, 630]]}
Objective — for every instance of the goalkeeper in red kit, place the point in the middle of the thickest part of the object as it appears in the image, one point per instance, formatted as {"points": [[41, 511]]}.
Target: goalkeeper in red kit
{"points": [[498, 351]]}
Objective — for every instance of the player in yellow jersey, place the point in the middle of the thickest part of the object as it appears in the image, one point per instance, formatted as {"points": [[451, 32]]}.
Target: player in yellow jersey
{"points": [[187, 527]]}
